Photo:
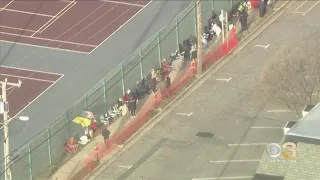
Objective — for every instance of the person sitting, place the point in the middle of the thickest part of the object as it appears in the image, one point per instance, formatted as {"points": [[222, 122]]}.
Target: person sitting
{"points": [[120, 102], [70, 146], [216, 29], [208, 34], [204, 40], [94, 126], [122, 107], [166, 67], [126, 97]]}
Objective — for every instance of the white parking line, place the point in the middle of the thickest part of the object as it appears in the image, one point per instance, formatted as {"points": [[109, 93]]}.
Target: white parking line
{"points": [[279, 111], [255, 127], [310, 8], [126, 167], [249, 144], [234, 161], [216, 178], [299, 6], [263, 46]]}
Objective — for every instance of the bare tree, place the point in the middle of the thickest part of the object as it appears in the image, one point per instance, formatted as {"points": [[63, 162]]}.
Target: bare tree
{"points": [[293, 77]]}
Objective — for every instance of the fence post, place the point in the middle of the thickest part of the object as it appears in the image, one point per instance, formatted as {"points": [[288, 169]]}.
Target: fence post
{"points": [[105, 94], [49, 145], [177, 33], [67, 114], [122, 74], [86, 101], [159, 49], [30, 162], [213, 5], [141, 63], [195, 19]]}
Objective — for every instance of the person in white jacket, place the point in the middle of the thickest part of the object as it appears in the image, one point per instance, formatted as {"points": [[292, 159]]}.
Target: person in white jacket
{"points": [[216, 29]]}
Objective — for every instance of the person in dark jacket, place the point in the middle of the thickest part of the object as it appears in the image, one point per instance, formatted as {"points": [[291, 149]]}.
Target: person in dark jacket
{"points": [[105, 133], [168, 82], [243, 16], [153, 84], [132, 103], [262, 7]]}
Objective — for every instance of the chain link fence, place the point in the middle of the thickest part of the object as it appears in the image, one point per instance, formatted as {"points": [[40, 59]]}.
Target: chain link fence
{"points": [[47, 148]]}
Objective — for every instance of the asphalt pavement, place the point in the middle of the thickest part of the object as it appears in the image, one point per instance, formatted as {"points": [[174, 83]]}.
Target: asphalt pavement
{"points": [[230, 121]]}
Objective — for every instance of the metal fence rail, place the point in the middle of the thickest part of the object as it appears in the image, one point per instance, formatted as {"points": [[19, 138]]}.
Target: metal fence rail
{"points": [[47, 147]]}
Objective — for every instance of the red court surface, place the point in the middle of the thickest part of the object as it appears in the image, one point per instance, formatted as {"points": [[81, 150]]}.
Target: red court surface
{"points": [[78, 26], [34, 84]]}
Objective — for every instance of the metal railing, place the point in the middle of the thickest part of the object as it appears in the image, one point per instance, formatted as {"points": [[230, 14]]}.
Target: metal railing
{"points": [[47, 147]]}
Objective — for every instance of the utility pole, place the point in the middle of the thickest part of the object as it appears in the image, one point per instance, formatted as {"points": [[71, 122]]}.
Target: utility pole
{"points": [[7, 168], [199, 30], [222, 19]]}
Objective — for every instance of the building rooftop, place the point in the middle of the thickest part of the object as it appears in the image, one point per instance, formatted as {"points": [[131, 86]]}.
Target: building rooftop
{"points": [[307, 126]]}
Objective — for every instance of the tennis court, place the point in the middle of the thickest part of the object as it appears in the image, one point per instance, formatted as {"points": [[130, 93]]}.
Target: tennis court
{"points": [[34, 84], [77, 26]]}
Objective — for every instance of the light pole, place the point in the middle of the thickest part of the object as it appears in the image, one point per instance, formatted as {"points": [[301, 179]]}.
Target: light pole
{"points": [[199, 30], [4, 109]]}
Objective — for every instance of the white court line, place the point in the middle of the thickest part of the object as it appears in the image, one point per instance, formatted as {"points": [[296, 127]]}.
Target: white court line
{"points": [[254, 127], [23, 77], [120, 27], [30, 70], [102, 29], [45, 47], [124, 3], [234, 161], [52, 18], [249, 144], [231, 177], [45, 39], [33, 100], [26, 12]]}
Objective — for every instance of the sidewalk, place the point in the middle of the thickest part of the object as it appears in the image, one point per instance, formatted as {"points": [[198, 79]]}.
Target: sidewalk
{"points": [[76, 163]]}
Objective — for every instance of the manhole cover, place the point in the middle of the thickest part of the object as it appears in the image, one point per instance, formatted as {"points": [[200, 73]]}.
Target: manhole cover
{"points": [[205, 134]]}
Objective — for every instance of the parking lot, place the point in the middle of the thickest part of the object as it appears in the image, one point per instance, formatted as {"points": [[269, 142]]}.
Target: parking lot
{"points": [[221, 130]]}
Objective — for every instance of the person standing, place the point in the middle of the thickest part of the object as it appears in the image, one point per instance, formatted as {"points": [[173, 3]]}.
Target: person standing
{"points": [[243, 15], [105, 133], [132, 104], [168, 84], [262, 7]]}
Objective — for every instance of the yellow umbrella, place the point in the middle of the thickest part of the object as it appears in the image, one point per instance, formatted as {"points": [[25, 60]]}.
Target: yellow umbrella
{"points": [[85, 122]]}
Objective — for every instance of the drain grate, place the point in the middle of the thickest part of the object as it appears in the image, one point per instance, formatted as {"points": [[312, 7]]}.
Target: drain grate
{"points": [[205, 134]]}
